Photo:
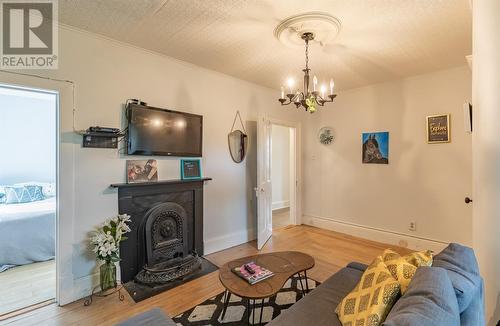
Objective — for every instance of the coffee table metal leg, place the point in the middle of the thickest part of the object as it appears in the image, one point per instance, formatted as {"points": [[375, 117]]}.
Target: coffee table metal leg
{"points": [[253, 313], [301, 285], [248, 311], [261, 312], [307, 282], [227, 296]]}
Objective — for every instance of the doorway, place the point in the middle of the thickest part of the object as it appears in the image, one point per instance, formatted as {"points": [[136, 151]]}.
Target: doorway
{"points": [[28, 197], [281, 174], [265, 173]]}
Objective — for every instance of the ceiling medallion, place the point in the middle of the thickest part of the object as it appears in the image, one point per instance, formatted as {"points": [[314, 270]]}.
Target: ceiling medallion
{"points": [[308, 28]]}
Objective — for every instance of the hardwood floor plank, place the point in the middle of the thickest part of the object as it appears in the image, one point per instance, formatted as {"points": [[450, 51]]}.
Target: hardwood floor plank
{"points": [[331, 250]]}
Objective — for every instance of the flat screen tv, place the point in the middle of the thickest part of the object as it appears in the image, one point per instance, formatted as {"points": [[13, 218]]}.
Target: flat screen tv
{"points": [[154, 131]]}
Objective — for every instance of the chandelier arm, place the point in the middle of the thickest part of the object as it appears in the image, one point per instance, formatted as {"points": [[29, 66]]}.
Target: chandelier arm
{"points": [[284, 101]]}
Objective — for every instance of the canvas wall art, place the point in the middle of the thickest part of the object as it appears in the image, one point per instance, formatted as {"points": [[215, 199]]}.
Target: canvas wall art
{"points": [[142, 171], [375, 147]]}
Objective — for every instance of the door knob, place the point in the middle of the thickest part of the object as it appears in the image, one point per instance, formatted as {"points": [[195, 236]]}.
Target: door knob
{"points": [[468, 200]]}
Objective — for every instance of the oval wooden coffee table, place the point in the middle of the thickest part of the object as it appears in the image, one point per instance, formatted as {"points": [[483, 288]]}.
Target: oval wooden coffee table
{"points": [[283, 264]]}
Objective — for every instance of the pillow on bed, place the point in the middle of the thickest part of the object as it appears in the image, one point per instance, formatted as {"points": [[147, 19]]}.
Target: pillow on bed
{"points": [[48, 188], [23, 194]]}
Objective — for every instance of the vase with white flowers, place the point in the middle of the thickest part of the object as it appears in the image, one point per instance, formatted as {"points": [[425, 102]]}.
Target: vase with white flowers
{"points": [[106, 241]]}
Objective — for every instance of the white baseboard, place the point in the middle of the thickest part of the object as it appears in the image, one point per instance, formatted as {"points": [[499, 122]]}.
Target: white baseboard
{"points": [[281, 204], [83, 286], [375, 234], [228, 241]]}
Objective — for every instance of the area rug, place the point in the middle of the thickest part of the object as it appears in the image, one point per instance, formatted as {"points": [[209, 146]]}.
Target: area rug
{"points": [[140, 292], [209, 312]]}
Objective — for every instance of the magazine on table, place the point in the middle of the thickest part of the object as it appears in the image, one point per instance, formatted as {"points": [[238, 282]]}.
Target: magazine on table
{"points": [[259, 273]]}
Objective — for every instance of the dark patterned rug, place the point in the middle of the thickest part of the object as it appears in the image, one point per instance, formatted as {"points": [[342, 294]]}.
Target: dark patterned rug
{"points": [[209, 312]]}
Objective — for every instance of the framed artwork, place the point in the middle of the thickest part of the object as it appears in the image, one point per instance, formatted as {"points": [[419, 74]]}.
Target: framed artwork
{"points": [[375, 147], [438, 129], [190, 169], [142, 171]]}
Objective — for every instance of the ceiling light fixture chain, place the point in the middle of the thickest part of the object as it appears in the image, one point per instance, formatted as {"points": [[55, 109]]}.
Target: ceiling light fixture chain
{"points": [[307, 54], [306, 98]]}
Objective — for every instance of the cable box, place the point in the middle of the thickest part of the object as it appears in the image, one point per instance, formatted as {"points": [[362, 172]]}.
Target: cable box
{"points": [[104, 130]]}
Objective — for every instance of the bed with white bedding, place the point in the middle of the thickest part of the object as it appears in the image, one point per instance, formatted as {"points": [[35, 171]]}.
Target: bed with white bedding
{"points": [[27, 232]]}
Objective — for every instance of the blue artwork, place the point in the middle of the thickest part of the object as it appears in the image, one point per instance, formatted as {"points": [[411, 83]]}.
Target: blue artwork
{"points": [[376, 147]]}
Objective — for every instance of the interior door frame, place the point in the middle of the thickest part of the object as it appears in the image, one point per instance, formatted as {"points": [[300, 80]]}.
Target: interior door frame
{"points": [[295, 168], [65, 175]]}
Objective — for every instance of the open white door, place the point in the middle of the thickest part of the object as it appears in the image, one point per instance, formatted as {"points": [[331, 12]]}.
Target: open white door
{"points": [[263, 190]]}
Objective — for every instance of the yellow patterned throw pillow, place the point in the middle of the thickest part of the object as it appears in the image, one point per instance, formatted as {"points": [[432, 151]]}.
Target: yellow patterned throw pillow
{"points": [[372, 299], [403, 268]]}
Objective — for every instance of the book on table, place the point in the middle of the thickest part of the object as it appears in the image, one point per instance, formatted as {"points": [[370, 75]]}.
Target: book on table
{"points": [[260, 273]]}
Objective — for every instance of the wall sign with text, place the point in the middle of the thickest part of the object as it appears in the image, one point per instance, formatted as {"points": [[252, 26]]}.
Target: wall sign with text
{"points": [[438, 129], [190, 169]]}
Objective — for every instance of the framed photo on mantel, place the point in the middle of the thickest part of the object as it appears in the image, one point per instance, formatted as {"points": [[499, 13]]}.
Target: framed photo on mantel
{"points": [[142, 171], [190, 169], [438, 129]]}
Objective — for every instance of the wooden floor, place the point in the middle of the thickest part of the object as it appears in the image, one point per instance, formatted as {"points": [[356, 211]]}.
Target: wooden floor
{"points": [[331, 251], [27, 285], [281, 218]]}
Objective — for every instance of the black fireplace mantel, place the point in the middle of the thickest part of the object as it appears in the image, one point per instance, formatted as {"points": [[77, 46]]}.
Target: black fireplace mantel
{"points": [[162, 182]]}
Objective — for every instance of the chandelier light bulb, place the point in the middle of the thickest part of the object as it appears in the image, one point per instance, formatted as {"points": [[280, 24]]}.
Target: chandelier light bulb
{"points": [[332, 84], [315, 82], [323, 91], [290, 82], [282, 92]]}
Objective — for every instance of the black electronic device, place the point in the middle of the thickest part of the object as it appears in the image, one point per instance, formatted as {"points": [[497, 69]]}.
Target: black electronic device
{"points": [[98, 129], [100, 141], [155, 131]]}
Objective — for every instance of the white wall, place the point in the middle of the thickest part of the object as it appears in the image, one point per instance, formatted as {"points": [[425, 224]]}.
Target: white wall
{"points": [[280, 169], [486, 145], [106, 73], [425, 183], [27, 136]]}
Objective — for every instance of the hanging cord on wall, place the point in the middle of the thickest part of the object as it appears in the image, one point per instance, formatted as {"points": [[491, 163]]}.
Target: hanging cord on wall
{"points": [[241, 121], [73, 86]]}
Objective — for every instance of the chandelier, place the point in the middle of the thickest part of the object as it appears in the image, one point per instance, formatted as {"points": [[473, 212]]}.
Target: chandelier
{"points": [[307, 99]]}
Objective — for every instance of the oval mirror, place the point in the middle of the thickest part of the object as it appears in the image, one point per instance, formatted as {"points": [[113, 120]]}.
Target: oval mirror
{"points": [[238, 142]]}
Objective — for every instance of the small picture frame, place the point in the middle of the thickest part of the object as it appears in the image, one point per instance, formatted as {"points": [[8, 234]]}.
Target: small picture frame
{"points": [[438, 129], [191, 169], [142, 171]]}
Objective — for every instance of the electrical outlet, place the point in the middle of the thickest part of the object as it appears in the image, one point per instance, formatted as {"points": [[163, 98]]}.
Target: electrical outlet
{"points": [[412, 226]]}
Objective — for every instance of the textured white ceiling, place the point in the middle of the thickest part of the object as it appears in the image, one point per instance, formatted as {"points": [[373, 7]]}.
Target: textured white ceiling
{"points": [[380, 40]]}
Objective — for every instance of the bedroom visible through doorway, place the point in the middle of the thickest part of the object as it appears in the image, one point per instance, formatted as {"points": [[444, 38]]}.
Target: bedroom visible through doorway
{"points": [[28, 197]]}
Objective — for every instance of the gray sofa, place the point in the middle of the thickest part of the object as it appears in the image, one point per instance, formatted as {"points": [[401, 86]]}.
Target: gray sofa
{"points": [[448, 293]]}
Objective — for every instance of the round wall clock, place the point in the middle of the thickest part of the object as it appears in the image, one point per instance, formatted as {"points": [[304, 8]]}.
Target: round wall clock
{"points": [[326, 135]]}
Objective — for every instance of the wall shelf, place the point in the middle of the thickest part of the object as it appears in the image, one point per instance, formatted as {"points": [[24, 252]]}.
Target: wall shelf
{"points": [[102, 134], [101, 139]]}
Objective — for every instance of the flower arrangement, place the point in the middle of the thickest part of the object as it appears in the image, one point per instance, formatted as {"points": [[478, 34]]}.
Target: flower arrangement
{"points": [[106, 241], [108, 236]]}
